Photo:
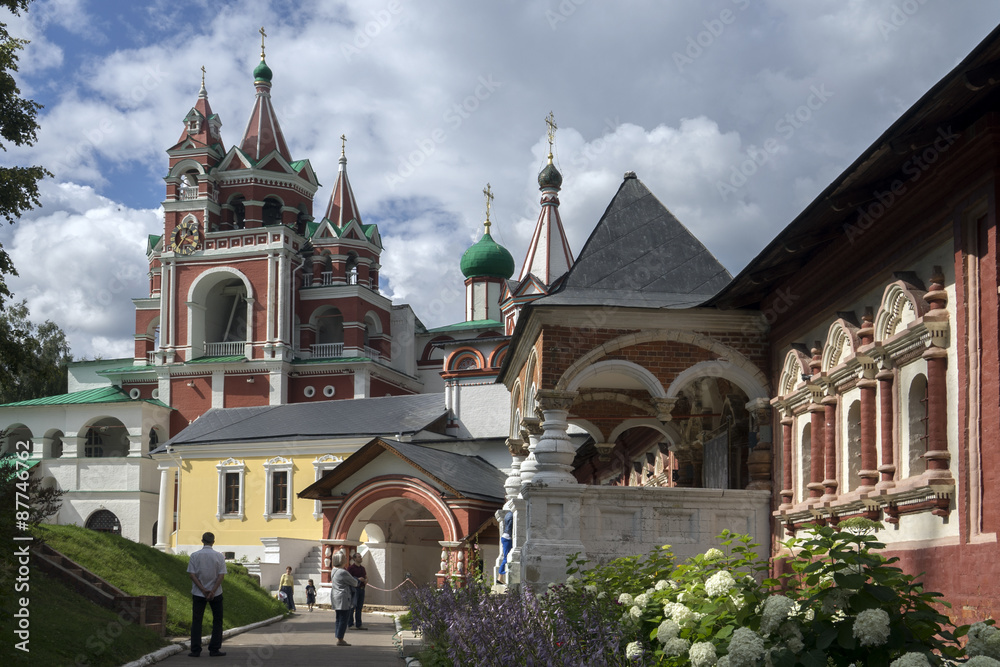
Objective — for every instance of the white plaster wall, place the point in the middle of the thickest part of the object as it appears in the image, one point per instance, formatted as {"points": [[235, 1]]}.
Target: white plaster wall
{"points": [[84, 375], [403, 323], [483, 411], [76, 509], [492, 451]]}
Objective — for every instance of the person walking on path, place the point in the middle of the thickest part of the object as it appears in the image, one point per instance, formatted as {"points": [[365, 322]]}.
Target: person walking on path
{"points": [[310, 594], [287, 586], [341, 598], [357, 570], [206, 568]]}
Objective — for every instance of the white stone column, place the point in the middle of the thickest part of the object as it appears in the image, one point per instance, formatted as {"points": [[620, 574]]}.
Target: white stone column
{"points": [[517, 453], [135, 442], [163, 511], [218, 389], [554, 452], [531, 430]]}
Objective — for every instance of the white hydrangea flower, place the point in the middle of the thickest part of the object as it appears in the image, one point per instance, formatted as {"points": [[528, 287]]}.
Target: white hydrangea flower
{"points": [[702, 654], [633, 651], [723, 662], [625, 599], [662, 585], [602, 595], [776, 610], [668, 630], [641, 600], [982, 661], [795, 645], [911, 660], [871, 627], [675, 646], [635, 613], [745, 648], [984, 640], [714, 554], [680, 613], [571, 579], [590, 588], [719, 583]]}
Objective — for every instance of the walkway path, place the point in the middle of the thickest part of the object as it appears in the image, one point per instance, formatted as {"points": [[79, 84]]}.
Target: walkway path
{"points": [[304, 639]]}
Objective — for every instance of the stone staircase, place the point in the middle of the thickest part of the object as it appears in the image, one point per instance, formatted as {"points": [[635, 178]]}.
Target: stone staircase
{"points": [[147, 610], [310, 568]]}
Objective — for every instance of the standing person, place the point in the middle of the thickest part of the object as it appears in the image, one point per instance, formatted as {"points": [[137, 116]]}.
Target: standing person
{"points": [[287, 586], [341, 598], [358, 571], [310, 594], [206, 568]]}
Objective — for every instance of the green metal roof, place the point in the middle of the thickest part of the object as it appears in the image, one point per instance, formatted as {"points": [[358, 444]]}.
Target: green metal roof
{"points": [[462, 326], [218, 360], [92, 362], [126, 369], [298, 164], [85, 397], [333, 360], [153, 240]]}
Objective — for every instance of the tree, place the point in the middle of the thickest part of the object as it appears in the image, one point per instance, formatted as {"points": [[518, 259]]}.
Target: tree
{"points": [[34, 356], [18, 185]]}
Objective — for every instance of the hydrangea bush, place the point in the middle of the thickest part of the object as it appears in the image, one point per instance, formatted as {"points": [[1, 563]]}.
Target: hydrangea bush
{"points": [[840, 603]]}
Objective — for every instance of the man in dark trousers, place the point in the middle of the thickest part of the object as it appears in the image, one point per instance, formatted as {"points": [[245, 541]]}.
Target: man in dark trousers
{"points": [[206, 568], [358, 571]]}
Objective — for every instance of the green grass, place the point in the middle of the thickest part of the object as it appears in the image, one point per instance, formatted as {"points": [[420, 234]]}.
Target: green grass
{"points": [[141, 570], [68, 629]]}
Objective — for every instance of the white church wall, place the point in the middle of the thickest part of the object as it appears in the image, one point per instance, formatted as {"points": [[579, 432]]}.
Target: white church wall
{"points": [[483, 410], [83, 375]]}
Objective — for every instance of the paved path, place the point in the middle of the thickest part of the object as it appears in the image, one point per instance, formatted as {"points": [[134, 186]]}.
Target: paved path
{"points": [[304, 639]]}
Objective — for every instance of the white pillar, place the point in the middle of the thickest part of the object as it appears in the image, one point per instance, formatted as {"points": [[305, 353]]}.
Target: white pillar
{"points": [[163, 514], [554, 452], [218, 389]]}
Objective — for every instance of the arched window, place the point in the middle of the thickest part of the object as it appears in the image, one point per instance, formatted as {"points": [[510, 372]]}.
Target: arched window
{"points": [[239, 212], [271, 212], [154, 439], [351, 268], [94, 445], [853, 466], [917, 405], [805, 461], [104, 521]]}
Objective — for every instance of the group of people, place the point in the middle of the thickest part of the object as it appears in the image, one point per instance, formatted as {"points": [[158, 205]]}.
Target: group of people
{"points": [[207, 568]]}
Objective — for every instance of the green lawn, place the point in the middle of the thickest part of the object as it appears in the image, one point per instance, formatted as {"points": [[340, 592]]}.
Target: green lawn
{"points": [[68, 629], [141, 570]]}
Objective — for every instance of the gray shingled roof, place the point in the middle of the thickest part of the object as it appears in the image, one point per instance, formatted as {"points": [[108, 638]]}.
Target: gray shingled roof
{"points": [[310, 421], [471, 476], [640, 255]]}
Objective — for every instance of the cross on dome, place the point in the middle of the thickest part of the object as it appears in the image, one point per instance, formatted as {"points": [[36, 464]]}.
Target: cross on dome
{"points": [[489, 199], [262, 36], [343, 143], [550, 122]]}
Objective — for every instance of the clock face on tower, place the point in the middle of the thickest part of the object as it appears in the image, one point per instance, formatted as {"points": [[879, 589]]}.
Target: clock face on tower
{"points": [[187, 238]]}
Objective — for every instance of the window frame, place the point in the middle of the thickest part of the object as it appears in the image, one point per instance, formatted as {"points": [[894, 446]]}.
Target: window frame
{"points": [[231, 465], [278, 464]]}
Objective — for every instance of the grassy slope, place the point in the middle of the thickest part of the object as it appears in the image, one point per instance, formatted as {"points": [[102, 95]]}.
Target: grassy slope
{"points": [[141, 570], [68, 629]]}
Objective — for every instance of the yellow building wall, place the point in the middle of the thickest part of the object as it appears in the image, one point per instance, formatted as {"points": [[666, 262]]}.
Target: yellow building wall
{"points": [[199, 503]]}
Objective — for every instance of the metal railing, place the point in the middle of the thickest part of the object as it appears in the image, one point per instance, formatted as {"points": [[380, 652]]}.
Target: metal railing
{"points": [[226, 349], [326, 350]]}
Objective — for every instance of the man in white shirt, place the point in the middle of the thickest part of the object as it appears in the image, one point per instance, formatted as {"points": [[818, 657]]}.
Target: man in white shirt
{"points": [[206, 568]]}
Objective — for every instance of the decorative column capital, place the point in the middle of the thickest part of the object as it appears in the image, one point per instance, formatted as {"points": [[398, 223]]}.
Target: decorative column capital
{"points": [[664, 406], [530, 426], [554, 399], [604, 450], [516, 447]]}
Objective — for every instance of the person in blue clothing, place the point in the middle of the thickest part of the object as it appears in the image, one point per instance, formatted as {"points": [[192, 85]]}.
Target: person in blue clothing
{"points": [[505, 542], [310, 594]]}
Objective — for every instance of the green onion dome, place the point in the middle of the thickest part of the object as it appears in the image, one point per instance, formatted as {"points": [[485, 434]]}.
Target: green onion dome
{"points": [[549, 177], [262, 72], [487, 258]]}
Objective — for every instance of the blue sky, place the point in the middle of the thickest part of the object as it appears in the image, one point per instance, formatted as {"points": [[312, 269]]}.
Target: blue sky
{"points": [[439, 98]]}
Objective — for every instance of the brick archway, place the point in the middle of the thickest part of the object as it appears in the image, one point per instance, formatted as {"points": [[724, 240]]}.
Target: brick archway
{"points": [[393, 487]]}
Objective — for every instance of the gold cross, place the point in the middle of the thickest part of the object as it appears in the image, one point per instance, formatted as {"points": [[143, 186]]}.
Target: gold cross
{"points": [[489, 199], [262, 36], [550, 121], [202, 76], [343, 142]]}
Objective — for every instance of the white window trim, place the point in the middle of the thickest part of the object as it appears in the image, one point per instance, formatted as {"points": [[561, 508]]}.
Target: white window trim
{"points": [[227, 466], [322, 465], [277, 464]]}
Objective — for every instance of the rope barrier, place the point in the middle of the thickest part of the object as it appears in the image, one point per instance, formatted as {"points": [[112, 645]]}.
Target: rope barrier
{"points": [[390, 590]]}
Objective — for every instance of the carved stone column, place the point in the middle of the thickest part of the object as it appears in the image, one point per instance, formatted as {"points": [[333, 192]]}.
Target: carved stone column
{"points": [[518, 451], [759, 458], [885, 378], [868, 475], [663, 407], [817, 449], [936, 319], [531, 430], [787, 490], [554, 452], [830, 483]]}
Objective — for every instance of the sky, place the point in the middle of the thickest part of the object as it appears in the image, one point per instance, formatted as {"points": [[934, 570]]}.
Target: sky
{"points": [[439, 99]]}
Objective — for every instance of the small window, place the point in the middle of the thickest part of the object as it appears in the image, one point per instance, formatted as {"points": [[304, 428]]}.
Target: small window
{"points": [[93, 447], [279, 492], [232, 493]]}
